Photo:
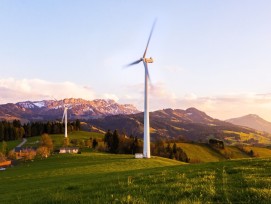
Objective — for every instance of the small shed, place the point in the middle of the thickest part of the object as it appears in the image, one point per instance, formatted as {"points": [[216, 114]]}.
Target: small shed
{"points": [[64, 150], [138, 155]]}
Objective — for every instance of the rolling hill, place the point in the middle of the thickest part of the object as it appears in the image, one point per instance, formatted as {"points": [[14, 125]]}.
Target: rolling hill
{"points": [[187, 125], [104, 178], [252, 121], [171, 124]]}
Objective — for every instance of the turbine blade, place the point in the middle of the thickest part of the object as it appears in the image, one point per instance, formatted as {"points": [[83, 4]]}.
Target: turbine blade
{"points": [[147, 70], [63, 116], [133, 63], [153, 25]]}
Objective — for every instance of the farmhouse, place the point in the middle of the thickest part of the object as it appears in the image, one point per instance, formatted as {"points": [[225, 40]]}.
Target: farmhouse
{"points": [[23, 152], [64, 150]]}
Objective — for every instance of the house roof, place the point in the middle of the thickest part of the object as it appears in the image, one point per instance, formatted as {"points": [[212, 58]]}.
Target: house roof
{"points": [[68, 148]]}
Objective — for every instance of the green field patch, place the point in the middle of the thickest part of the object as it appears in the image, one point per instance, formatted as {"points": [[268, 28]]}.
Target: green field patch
{"points": [[261, 151], [108, 178], [200, 153]]}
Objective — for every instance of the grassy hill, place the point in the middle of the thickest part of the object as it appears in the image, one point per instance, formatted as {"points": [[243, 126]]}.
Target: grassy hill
{"points": [[187, 125], [58, 138], [200, 153], [104, 178]]}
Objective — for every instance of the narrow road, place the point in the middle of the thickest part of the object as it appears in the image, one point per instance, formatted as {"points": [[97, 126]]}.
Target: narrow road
{"points": [[22, 143]]}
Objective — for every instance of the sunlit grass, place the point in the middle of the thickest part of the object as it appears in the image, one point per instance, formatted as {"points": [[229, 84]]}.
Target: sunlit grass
{"points": [[247, 136], [59, 138], [106, 178], [200, 152]]}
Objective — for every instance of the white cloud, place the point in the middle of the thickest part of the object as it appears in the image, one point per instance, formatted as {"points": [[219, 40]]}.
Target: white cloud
{"points": [[14, 90], [222, 106], [231, 105], [110, 96]]}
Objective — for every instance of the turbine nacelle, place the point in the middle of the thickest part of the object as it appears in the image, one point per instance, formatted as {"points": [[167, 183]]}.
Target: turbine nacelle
{"points": [[148, 60]]}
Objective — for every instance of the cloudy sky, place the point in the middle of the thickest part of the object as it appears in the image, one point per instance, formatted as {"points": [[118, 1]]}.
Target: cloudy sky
{"points": [[212, 55]]}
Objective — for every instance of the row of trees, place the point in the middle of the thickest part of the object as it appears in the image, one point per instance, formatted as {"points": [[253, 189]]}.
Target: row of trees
{"points": [[115, 143], [15, 130], [168, 150]]}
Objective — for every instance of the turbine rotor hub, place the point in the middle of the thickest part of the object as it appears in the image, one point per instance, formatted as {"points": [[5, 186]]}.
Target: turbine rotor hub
{"points": [[148, 60]]}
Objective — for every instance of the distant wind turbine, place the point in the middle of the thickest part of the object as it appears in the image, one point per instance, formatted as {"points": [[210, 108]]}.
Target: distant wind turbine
{"points": [[65, 116], [146, 149], [66, 120]]}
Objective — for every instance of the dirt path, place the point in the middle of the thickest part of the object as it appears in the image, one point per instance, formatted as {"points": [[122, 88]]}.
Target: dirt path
{"points": [[22, 143]]}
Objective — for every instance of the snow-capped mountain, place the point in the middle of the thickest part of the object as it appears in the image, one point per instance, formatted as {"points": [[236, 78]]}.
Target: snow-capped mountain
{"points": [[53, 109]]}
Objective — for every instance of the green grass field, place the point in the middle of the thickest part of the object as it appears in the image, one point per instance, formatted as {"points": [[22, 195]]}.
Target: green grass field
{"points": [[105, 178], [200, 152], [59, 138], [11, 144]]}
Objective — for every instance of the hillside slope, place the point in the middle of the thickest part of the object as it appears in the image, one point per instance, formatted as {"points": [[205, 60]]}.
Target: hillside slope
{"points": [[252, 121], [186, 125], [103, 178]]}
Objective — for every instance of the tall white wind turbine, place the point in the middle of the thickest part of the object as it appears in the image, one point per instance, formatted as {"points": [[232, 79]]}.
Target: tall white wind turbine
{"points": [[66, 120], [146, 148]]}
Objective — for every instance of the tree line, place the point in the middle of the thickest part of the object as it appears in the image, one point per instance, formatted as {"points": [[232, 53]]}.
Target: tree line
{"points": [[15, 130], [122, 144]]}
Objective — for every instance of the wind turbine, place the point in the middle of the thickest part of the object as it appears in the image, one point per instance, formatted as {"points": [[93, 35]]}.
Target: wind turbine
{"points": [[65, 116], [146, 148]]}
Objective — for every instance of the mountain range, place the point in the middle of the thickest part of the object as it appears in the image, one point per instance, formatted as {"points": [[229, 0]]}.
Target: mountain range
{"points": [[53, 109], [187, 125], [252, 121]]}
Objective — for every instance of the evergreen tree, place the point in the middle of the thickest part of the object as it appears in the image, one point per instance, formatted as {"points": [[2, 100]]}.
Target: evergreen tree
{"points": [[16, 123], [174, 148], [77, 125], [135, 145], [115, 142], [108, 139], [168, 147], [94, 143]]}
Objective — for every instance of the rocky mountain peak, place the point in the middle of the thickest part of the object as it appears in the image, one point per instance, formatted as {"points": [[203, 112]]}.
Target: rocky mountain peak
{"points": [[78, 108]]}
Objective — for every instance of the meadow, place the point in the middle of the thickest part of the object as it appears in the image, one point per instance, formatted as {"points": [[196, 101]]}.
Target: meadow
{"points": [[106, 178], [59, 138]]}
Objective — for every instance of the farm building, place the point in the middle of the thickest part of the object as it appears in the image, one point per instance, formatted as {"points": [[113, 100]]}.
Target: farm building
{"points": [[138, 155], [23, 152], [64, 150]]}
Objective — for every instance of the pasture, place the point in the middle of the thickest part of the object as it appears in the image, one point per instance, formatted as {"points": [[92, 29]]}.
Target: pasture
{"points": [[58, 139], [107, 178]]}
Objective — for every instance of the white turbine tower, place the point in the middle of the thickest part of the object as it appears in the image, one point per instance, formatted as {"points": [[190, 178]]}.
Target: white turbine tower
{"points": [[65, 116], [146, 149]]}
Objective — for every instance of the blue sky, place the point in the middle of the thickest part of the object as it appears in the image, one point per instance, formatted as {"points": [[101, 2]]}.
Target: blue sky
{"points": [[213, 55]]}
